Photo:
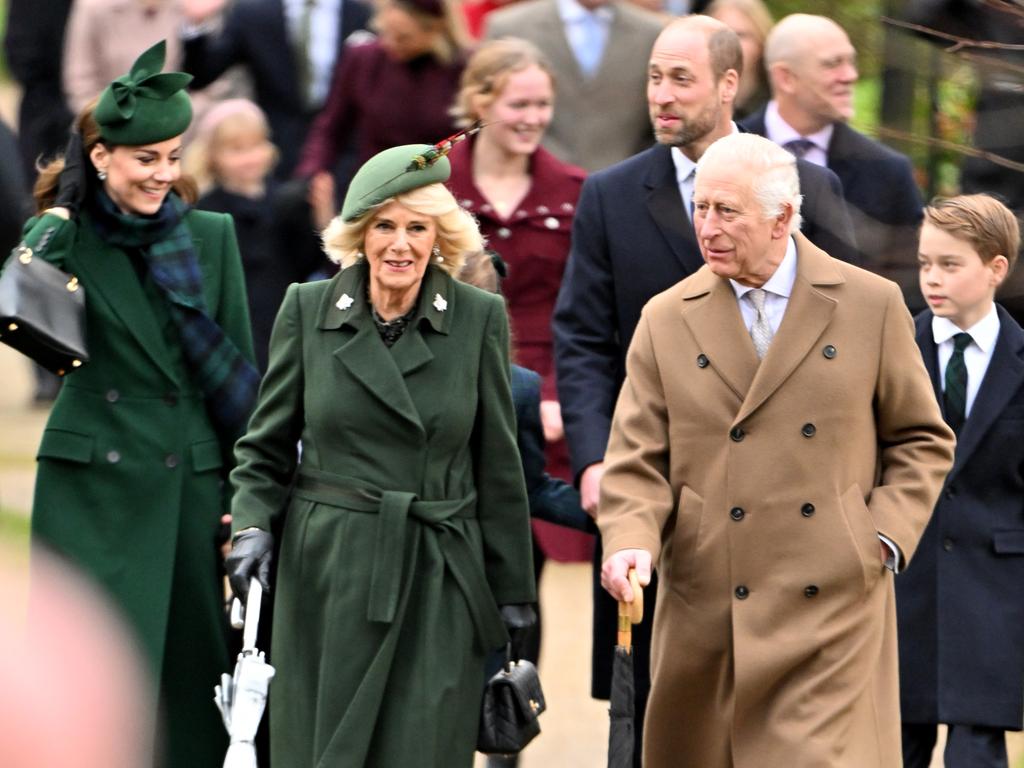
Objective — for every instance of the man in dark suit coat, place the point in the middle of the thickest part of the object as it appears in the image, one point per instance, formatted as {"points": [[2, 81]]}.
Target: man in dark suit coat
{"points": [[632, 239], [257, 35], [34, 44], [812, 70]]}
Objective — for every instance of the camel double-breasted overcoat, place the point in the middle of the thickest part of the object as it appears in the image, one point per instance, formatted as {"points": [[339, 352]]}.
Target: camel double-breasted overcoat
{"points": [[761, 487]]}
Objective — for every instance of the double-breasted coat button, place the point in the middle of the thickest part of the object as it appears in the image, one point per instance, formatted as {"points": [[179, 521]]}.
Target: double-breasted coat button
{"points": [[485, 208], [947, 544], [171, 460], [737, 513], [737, 434], [504, 233], [551, 222], [808, 430], [807, 509], [702, 361], [113, 457], [567, 207], [113, 395], [742, 592], [810, 591], [521, 213], [829, 351], [542, 209]]}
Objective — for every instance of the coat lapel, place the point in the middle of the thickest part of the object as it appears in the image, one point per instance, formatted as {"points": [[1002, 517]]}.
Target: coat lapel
{"points": [[1002, 381], [930, 354], [807, 315], [711, 312], [666, 207], [111, 276]]}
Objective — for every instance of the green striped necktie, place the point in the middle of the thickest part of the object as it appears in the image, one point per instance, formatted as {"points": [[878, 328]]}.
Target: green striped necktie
{"points": [[956, 383]]}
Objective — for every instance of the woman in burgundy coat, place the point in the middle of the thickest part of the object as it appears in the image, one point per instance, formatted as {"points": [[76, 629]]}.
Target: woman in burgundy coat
{"points": [[524, 199], [392, 90]]}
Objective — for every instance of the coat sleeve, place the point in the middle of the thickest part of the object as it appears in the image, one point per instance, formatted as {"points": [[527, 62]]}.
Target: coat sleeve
{"points": [[233, 308], [502, 506], [587, 349], [916, 445], [636, 496], [827, 221], [209, 55], [266, 455]]}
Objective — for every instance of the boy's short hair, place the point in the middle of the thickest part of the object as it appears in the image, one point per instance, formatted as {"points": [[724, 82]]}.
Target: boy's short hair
{"points": [[984, 222]]}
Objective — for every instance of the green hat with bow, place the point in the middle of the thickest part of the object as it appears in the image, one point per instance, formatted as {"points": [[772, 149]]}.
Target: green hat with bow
{"points": [[146, 105], [400, 169]]}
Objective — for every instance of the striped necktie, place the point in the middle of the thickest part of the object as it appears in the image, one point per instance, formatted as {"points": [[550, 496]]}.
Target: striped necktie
{"points": [[955, 393]]}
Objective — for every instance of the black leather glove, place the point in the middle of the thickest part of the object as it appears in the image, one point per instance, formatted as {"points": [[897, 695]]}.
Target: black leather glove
{"points": [[251, 553], [73, 183], [519, 619]]}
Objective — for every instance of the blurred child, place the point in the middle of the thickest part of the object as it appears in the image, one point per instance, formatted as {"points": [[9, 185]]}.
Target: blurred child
{"points": [[960, 603], [232, 158]]}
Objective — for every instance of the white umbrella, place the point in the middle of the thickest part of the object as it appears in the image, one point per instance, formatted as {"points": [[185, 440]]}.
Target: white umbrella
{"points": [[242, 697]]}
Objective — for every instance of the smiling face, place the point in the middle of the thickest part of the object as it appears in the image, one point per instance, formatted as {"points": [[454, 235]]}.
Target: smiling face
{"points": [[685, 103], [736, 240], [520, 113], [397, 244], [139, 178], [819, 78], [954, 280]]}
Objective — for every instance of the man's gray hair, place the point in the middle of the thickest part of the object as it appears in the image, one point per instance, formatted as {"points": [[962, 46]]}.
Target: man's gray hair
{"points": [[773, 175]]}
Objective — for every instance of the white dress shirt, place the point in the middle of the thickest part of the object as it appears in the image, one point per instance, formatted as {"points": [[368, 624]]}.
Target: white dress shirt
{"points": [[586, 31], [778, 131], [977, 354], [325, 27]]}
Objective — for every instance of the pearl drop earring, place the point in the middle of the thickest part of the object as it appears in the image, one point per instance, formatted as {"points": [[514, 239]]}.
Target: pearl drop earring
{"points": [[101, 175]]}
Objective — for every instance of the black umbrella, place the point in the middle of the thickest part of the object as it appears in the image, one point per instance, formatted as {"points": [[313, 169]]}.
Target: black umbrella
{"points": [[621, 703]]}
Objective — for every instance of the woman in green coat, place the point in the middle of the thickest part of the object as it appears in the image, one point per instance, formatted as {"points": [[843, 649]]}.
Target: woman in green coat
{"points": [[131, 483], [405, 553]]}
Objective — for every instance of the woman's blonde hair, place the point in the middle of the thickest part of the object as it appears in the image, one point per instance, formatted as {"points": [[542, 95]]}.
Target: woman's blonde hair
{"points": [[453, 39], [224, 122], [457, 231], [45, 190], [487, 73]]}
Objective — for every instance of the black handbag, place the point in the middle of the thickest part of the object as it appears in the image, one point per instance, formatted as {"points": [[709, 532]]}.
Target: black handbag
{"points": [[512, 702], [42, 312]]}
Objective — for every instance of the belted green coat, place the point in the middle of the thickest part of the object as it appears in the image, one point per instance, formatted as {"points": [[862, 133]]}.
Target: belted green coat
{"points": [[405, 525], [131, 479]]}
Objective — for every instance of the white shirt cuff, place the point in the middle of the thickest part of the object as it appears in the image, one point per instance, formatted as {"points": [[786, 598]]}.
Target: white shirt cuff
{"points": [[892, 562]]}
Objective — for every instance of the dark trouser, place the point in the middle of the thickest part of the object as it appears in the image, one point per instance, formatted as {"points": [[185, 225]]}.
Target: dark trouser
{"points": [[967, 746]]}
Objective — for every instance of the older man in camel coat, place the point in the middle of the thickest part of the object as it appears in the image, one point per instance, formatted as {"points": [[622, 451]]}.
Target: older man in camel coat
{"points": [[776, 449]]}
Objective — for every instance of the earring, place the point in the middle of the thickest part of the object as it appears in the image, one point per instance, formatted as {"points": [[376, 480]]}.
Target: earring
{"points": [[436, 253], [360, 255], [101, 175]]}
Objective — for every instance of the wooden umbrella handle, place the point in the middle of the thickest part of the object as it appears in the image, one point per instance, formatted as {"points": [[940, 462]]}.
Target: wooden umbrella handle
{"points": [[632, 612]]}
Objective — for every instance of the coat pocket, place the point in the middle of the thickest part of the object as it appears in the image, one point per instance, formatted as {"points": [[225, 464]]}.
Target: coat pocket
{"points": [[206, 456], [861, 526], [67, 446], [1008, 542], [678, 568]]}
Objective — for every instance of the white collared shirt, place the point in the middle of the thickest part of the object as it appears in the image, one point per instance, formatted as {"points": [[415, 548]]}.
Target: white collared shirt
{"points": [[977, 354], [778, 288], [575, 20], [325, 27], [686, 175], [778, 131]]}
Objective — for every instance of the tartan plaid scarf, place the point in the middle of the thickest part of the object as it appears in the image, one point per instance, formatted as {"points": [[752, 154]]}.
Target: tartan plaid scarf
{"points": [[227, 380]]}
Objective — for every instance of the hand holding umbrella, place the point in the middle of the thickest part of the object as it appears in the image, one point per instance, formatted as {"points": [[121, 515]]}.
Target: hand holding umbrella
{"points": [[621, 703]]}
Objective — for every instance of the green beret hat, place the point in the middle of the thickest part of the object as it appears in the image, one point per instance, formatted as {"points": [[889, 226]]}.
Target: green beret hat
{"points": [[145, 106], [392, 172]]}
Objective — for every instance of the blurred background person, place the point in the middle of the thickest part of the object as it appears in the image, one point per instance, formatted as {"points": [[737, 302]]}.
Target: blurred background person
{"points": [[34, 44], [524, 199], [405, 553], [232, 158], [751, 21], [74, 691], [131, 475], [475, 12], [289, 48], [393, 90], [597, 51]]}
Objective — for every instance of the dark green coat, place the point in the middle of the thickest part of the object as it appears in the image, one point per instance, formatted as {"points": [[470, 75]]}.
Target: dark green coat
{"points": [[407, 526], [131, 481]]}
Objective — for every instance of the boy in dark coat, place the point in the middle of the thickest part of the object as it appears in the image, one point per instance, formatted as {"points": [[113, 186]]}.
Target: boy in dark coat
{"points": [[961, 603]]}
